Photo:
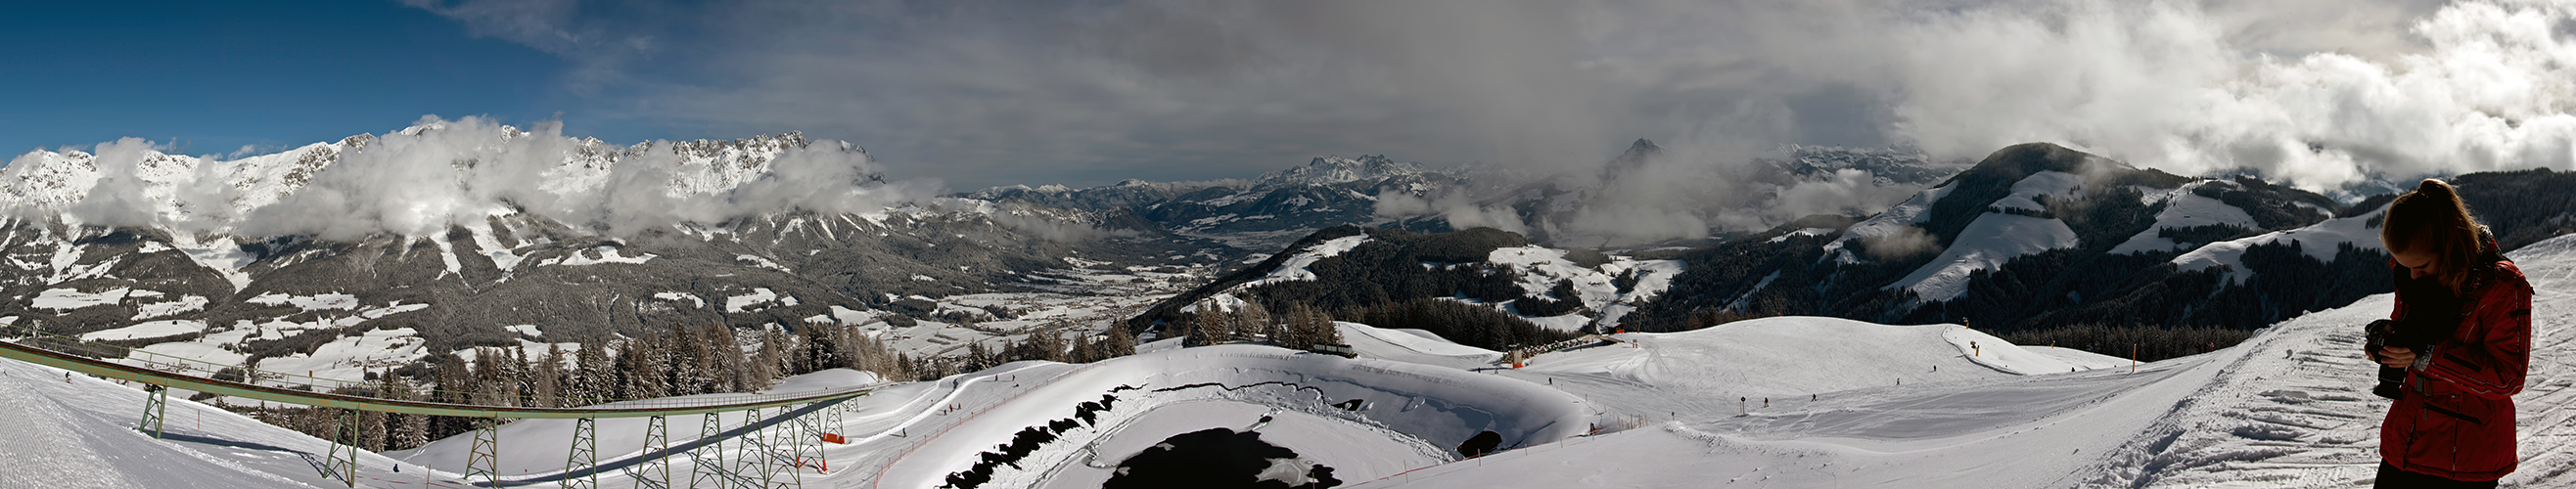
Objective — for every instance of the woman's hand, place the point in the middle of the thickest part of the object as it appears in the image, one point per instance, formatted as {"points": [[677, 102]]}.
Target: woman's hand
{"points": [[2396, 356]]}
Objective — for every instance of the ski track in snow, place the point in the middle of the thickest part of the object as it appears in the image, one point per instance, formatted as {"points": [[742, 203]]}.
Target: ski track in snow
{"points": [[43, 450], [2288, 408], [80, 434]]}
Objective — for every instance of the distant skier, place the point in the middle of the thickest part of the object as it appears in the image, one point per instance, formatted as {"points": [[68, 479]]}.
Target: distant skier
{"points": [[2455, 349]]}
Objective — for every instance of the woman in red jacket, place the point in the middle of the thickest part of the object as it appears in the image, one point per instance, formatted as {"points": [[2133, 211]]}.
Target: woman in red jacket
{"points": [[2469, 312]]}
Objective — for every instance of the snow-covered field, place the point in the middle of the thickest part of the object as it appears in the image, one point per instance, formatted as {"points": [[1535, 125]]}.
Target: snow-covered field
{"points": [[1777, 402], [2288, 408], [79, 433]]}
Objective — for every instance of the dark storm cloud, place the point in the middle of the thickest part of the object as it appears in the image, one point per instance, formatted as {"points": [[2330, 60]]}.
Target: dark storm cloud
{"points": [[2320, 93], [987, 92]]}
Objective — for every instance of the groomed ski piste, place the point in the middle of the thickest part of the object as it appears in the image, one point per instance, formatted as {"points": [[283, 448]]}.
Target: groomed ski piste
{"points": [[1774, 402]]}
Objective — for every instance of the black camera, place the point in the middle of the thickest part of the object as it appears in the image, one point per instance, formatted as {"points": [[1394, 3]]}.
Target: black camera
{"points": [[2392, 380]]}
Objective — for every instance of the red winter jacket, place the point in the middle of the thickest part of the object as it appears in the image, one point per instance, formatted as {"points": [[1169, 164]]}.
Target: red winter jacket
{"points": [[2456, 418]]}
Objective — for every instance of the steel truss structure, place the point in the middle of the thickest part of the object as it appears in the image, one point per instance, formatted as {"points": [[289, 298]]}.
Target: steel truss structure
{"points": [[758, 449]]}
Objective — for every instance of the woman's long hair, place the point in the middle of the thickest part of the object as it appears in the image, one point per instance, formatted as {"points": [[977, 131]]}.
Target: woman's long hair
{"points": [[2432, 218]]}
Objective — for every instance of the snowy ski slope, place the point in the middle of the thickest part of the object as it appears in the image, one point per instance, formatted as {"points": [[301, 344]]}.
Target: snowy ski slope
{"points": [[2288, 408], [2285, 409]]}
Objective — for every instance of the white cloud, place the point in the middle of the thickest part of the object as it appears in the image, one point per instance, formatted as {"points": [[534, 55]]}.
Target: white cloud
{"points": [[1457, 209], [118, 198], [2322, 93], [2159, 85]]}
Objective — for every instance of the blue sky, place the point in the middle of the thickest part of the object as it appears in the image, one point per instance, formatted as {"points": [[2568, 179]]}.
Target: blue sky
{"points": [[2320, 93], [212, 77]]}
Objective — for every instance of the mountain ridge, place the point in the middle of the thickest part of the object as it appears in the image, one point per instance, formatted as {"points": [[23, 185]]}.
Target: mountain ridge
{"points": [[2234, 253]]}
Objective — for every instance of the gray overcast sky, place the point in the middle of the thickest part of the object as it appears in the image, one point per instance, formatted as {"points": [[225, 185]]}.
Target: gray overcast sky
{"points": [[981, 93]]}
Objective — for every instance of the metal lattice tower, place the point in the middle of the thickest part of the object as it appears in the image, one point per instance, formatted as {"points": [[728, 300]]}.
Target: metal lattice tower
{"points": [[831, 425], [657, 443], [791, 434], [344, 440], [156, 403], [584, 458], [754, 456], [711, 447], [485, 460], [482, 462]]}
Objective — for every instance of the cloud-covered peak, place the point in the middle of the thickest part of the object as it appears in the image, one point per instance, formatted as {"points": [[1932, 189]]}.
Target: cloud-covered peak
{"points": [[1335, 169], [439, 173]]}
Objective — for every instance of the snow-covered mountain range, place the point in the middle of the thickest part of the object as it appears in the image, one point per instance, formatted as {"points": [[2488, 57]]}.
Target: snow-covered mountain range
{"points": [[1278, 207], [380, 251], [384, 251], [451, 234], [2034, 237], [376, 253]]}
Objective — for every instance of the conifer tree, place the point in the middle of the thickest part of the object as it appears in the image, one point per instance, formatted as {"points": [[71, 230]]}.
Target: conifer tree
{"points": [[522, 377], [812, 352], [1293, 334], [1085, 350], [975, 355], [1252, 320], [648, 367], [1223, 321], [548, 388], [688, 361], [660, 364], [1050, 346], [485, 377], [589, 379], [371, 424], [452, 383], [410, 430], [1320, 328], [624, 368], [863, 352], [1119, 343], [767, 367], [1196, 331], [731, 368], [1208, 326], [784, 362]]}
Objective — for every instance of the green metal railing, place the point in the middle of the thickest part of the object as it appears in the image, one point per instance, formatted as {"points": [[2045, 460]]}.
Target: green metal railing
{"points": [[161, 372], [176, 372]]}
